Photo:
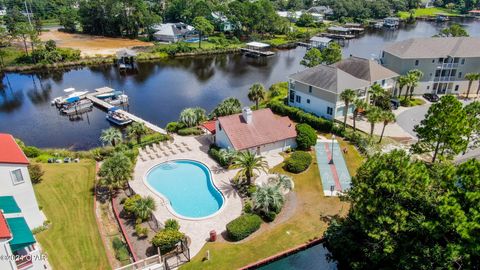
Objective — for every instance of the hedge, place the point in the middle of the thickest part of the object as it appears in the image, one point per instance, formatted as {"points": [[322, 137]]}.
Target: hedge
{"points": [[167, 239], [298, 162], [306, 136], [301, 116], [190, 131], [243, 226]]}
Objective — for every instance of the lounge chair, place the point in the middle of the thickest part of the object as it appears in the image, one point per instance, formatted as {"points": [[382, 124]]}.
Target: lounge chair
{"points": [[143, 158], [189, 149], [158, 155], [173, 152], [184, 144], [181, 150], [166, 154], [169, 146], [176, 145]]}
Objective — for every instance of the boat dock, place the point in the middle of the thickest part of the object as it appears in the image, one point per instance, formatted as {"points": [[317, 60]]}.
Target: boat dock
{"points": [[105, 105], [256, 49]]}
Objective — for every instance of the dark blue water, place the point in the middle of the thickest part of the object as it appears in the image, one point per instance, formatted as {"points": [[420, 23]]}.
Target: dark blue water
{"points": [[160, 90], [312, 258]]}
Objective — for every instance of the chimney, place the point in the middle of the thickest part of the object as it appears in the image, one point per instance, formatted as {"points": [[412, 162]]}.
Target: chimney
{"points": [[247, 115]]}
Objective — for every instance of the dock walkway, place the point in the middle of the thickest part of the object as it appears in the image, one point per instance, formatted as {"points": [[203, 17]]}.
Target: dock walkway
{"points": [[107, 106]]}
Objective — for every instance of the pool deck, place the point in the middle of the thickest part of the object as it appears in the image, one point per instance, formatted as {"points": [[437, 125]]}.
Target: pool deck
{"points": [[197, 230]]}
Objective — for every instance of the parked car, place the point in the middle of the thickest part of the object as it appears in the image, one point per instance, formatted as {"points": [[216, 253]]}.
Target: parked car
{"points": [[431, 97], [394, 103]]}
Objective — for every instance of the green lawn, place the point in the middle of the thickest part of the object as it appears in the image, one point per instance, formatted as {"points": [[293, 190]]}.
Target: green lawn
{"points": [[66, 196], [428, 12], [303, 226]]}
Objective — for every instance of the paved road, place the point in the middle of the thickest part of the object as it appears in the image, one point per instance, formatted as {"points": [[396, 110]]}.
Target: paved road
{"points": [[411, 117]]}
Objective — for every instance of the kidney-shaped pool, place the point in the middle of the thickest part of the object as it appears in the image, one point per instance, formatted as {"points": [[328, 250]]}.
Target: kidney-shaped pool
{"points": [[188, 186]]}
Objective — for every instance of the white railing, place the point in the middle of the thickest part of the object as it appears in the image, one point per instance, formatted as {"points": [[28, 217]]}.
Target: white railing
{"points": [[152, 263]]}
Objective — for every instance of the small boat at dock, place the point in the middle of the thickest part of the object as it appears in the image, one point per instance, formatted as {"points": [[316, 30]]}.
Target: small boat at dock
{"points": [[70, 97], [79, 106], [118, 118]]}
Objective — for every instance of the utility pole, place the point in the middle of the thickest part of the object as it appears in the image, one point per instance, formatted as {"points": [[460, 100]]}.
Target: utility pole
{"points": [[28, 13]]}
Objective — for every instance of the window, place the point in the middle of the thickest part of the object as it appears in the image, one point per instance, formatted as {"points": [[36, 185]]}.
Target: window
{"points": [[17, 176], [433, 60], [329, 110], [428, 87], [463, 61], [437, 72], [460, 74], [440, 60], [416, 62], [292, 96], [383, 82], [455, 60], [298, 99], [456, 87], [308, 101], [453, 73], [309, 88]]}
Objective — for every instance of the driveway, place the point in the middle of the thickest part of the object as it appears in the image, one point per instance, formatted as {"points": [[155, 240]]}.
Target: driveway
{"points": [[410, 117]]}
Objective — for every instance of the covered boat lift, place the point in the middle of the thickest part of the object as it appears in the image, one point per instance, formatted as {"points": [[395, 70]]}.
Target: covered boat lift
{"points": [[256, 49]]}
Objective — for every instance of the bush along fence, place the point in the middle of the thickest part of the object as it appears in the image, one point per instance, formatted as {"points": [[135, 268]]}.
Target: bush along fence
{"points": [[301, 116]]}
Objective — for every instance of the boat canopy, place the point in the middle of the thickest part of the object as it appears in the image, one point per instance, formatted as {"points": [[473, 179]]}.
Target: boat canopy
{"points": [[68, 90], [72, 99], [113, 109]]}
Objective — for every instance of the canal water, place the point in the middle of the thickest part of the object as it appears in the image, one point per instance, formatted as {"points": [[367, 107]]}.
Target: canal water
{"points": [[160, 90]]}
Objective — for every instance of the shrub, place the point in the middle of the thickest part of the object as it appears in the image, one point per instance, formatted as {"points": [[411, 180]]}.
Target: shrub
{"points": [[31, 151], [270, 216], [171, 224], [167, 239], [173, 127], [300, 116], [224, 157], [36, 173], [129, 205], [243, 226], [248, 207], [141, 231], [190, 131], [306, 136], [298, 162], [121, 251], [251, 189]]}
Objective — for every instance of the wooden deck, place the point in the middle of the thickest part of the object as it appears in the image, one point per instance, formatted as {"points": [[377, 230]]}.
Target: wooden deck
{"points": [[258, 52], [337, 36], [107, 106]]}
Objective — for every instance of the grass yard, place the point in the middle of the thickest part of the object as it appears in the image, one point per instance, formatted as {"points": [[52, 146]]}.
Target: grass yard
{"points": [[305, 225], [73, 240], [428, 12]]}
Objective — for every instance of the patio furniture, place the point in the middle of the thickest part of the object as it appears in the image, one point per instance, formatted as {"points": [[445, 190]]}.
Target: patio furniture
{"points": [[166, 154], [173, 152], [189, 149], [158, 155], [181, 150], [184, 144]]}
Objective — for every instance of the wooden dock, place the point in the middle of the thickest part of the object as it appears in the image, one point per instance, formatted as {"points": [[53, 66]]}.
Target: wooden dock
{"points": [[105, 105], [337, 36], [257, 52]]}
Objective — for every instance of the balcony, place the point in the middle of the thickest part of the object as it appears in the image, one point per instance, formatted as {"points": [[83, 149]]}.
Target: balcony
{"points": [[447, 65], [444, 79]]}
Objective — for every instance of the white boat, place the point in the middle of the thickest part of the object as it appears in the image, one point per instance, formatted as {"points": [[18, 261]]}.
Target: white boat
{"points": [[117, 117], [70, 97], [77, 107]]}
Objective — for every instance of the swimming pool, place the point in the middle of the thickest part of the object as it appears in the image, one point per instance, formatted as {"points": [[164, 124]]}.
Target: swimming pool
{"points": [[188, 186]]}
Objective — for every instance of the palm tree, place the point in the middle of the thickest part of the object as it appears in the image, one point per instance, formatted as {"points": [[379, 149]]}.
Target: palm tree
{"points": [[387, 117], [373, 116], [402, 82], [348, 96], [267, 198], [137, 130], [248, 163], [470, 77], [414, 77], [192, 116], [281, 181], [111, 136], [256, 93], [375, 92], [115, 172], [144, 207], [228, 106], [360, 105]]}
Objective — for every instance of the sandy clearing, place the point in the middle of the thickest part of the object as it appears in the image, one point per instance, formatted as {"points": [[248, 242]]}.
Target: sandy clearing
{"points": [[91, 45]]}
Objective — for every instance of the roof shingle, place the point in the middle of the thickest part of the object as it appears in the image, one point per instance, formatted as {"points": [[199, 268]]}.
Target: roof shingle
{"points": [[10, 152], [436, 47], [265, 128], [365, 69]]}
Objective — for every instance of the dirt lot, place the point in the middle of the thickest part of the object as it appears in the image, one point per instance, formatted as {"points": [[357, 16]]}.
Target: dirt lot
{"points": [[91, 45]]}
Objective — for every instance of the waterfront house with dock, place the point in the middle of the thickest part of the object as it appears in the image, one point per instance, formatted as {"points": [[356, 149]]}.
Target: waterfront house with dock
{"points": [[443, 61], [174, 32], [317, 90]]}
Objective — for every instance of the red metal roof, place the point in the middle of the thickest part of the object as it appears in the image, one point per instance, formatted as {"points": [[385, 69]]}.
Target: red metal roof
{"points": [[4, 230], [265, 128], [210, 126], [10, 152]]}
